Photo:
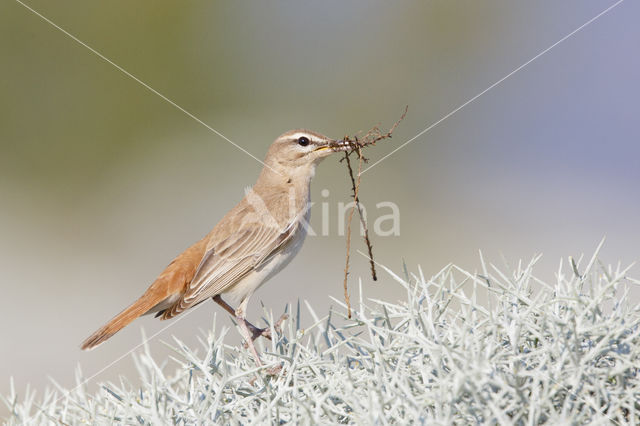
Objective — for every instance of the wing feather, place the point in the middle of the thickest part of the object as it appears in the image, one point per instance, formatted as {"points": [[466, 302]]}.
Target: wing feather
{"points": [[229, 261]]}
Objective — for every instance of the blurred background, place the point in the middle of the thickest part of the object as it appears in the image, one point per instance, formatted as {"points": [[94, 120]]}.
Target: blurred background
{"points": [[102, 182]]}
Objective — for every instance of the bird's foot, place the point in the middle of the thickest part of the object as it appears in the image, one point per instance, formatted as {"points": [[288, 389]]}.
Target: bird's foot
{"points": [[265, 332], [271, 372], [274, 371], [257, 332]]}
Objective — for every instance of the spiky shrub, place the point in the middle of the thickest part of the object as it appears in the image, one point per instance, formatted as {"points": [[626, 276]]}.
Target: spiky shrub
{"points": [[462, 348]]}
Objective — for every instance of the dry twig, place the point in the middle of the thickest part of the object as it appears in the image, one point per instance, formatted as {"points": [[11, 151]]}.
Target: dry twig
{"points": [[356, 145]]}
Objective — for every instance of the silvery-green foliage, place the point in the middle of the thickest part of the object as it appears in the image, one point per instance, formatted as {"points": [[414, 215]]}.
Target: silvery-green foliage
{"points": [[490, 347]]}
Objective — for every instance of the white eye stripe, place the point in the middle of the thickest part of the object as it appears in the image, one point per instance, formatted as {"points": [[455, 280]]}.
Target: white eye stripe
{"points": [[299, 135]]}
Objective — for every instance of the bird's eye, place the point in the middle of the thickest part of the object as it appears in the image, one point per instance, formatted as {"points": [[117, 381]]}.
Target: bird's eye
{"points": [[303, 141]]}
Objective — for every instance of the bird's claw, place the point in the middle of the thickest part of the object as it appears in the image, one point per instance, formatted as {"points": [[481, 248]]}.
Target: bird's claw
{"points": [[274, 371], [271, 371], [265, 332]]}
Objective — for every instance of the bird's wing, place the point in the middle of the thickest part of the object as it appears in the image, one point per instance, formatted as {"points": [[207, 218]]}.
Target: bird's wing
{"points": [[228, 261]]}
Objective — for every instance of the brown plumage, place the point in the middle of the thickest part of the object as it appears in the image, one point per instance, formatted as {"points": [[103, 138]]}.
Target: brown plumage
{"points": [[251, 243], [171, 281]]}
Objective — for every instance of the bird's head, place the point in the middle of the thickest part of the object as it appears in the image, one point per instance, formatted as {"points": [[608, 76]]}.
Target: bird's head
{"points": [[292, 158], [301, 148]]}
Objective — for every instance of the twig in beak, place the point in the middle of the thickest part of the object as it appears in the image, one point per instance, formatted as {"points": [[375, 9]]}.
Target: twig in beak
{"points": [[354, 144]]}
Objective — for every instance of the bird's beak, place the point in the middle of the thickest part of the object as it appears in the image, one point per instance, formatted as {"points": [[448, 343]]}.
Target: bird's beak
{"points": [[334, 146]]}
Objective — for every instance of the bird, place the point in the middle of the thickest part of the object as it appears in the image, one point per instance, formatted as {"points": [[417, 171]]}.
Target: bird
{"points": [[253, 242]]}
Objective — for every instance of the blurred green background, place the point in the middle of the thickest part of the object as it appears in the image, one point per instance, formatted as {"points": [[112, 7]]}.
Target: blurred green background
{"points": [[103, 182]]}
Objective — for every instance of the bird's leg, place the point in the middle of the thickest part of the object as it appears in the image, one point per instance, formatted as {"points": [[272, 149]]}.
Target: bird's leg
{"points": [[248, 337], [255, 331], [249, 331], [224, 304]]}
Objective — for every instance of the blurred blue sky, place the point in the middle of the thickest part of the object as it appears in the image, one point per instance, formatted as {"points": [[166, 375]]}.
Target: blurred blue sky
{"points": [[102, 182]]}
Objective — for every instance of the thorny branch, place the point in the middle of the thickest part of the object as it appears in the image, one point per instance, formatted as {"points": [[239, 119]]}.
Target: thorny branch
{"points": [[356, 145]]}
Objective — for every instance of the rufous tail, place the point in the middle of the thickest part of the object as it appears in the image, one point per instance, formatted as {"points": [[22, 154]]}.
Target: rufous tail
{"points": [[139, 307]]}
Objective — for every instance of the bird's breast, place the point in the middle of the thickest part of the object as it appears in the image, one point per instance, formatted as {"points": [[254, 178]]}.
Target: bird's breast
{"points": [[274, 264]]}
